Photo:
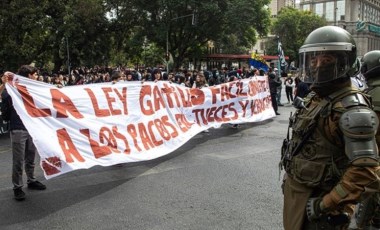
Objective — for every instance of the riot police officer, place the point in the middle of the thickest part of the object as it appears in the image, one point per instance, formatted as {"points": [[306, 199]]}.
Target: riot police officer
{"points": [[332, 156], [367, 214]]}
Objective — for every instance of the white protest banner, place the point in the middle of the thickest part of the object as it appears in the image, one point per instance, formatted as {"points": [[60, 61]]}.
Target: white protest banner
{"points": [[78, 127]]}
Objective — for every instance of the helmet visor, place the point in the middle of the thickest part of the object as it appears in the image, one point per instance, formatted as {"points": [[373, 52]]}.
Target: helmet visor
{"points": [[324, 66]]}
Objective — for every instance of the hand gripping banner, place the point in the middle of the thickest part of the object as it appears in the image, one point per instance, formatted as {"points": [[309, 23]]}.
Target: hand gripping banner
{"points": [[78, 127]]}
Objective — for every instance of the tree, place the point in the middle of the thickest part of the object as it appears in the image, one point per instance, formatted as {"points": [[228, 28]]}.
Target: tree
{"points": [[169, 23], [127, 42], [39, 31], [81, 27], [245, 22], [292, 26], [75, 33], [23, 34]]}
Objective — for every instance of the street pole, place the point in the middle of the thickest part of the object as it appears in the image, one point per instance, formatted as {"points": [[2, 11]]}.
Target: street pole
{"points": [[144, 46], [167, 57], [279, 57], [167, 51], [68, 55]]}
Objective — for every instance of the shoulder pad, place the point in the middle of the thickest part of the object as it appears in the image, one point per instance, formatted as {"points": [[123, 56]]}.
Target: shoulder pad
{"points": [[359, 128], [360, 123], [356, 99]]}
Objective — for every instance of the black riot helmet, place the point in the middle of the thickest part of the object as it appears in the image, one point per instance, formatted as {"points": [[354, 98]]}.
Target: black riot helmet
{"points": [[371, 64], [328, 53]]}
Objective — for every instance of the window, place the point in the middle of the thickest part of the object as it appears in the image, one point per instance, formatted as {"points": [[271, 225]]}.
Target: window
{"points": [[370, 14], [319, 9], [330, 11], [297, 3], [340, 11]]}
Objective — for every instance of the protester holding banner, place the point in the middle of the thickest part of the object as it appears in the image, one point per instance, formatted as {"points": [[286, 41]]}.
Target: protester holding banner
{"points": [[56, 81], [199, 83], [157, 75], [232, 79], [116, 76], [181, 80], [22, 145], [255, 72]]}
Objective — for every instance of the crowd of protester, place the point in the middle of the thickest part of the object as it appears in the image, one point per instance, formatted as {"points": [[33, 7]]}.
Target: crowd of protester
{"points": [[22, 145], [183, 77], [84, 75]]}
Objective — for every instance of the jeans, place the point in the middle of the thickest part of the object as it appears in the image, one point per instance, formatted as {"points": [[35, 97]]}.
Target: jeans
{"points": [[289, 93], [278, 96], [274, 101], [24, 153]]}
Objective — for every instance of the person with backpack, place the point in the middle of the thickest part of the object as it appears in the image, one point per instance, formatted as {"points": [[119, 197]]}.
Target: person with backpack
{"points": [[23, 149]]}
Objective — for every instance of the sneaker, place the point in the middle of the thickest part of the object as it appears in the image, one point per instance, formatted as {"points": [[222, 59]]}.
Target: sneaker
{"points": [[36, 185], [277, 113], [19, 194], [279, 104], [206, 131]]}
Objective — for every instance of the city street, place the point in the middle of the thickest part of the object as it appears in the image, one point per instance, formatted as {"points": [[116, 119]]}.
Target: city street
{"points": [[225, 179]]}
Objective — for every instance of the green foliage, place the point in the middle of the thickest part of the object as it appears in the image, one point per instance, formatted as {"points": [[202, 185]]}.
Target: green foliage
{"points": [[55, 34], [292, 26], [21, 24], [217, 20]]}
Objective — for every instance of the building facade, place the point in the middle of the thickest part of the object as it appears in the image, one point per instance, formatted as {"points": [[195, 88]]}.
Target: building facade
{"points": [[361, 18], [276, 5]]}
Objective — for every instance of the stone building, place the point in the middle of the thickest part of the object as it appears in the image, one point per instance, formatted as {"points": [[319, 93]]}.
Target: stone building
{"points": [[359, 17]]}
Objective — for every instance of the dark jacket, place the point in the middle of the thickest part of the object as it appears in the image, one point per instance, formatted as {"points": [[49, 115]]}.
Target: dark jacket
{"points": [[15, 121], [302, 89], [273, 83]]}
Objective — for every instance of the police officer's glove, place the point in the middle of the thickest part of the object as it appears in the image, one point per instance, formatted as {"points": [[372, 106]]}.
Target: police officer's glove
{"points": [[314, 208]]}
